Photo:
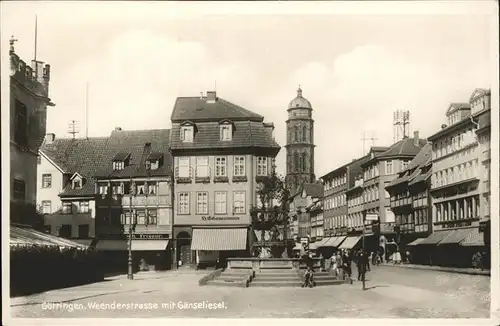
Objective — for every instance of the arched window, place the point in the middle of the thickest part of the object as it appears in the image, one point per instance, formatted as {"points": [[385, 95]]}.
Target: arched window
{"points": [[301, 162], [297, 133], [296, 162], [304, 134], [304, 162]]}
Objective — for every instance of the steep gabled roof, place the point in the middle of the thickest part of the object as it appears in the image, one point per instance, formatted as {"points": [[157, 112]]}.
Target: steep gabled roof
{"points": [[457, 106], [198, 109], [479, 92], [82, 156], [404, 147], [245, 134], [315, 190], [421, 158], [139, 144]]}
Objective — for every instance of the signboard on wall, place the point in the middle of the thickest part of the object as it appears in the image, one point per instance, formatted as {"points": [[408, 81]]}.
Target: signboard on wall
{"points": [[372, 217], [211, 219]]}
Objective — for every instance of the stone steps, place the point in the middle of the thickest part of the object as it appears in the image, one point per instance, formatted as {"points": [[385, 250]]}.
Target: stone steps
{"points": [[276, 283], [232, 283]]}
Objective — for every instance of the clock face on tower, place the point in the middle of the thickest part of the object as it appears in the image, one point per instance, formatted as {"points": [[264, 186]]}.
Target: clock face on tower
{"points": [[300, 143]]}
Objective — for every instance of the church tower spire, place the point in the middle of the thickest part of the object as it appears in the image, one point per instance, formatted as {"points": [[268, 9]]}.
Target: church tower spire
{"points": [[299, 143]]}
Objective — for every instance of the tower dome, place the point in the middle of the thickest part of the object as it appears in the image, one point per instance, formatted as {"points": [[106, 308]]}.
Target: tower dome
{"points": [[299, 101]]}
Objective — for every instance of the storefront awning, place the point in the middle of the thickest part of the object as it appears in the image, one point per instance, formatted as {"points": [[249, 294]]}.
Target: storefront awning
{"points": [[338, 241], [219, 239], [436, 237], [416, 242], [322, 242], [137, 245], [349, 242], [474, 239], [456, 236], [27, 236], [327, 242]]}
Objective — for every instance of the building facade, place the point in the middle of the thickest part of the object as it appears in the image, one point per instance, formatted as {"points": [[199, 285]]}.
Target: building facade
{"points": [[299, 143], [65, 185], [220, 152], [410, 201], [456, 187], [29, 98], [378, 172], [134, 190], [306, 197]]}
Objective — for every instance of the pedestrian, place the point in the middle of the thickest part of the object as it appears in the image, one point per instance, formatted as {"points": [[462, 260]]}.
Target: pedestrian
{"points": [[408, 257], [362, 264], [368, 263], [346, 264], [477, 261], [334, 263]]}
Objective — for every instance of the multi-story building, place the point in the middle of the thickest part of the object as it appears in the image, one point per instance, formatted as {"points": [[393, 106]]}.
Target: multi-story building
{"points": [[354, 222], [299, 143], [481, 112], [220, 153], [455, 185], [316, 212], [29, 98], [66, 185], [410, 200], [336, 183], [307, 195], [378, 172], [134, 189]]}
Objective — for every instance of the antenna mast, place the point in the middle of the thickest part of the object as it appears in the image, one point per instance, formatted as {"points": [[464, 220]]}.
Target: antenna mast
{"points": [[73, 128], [401, 123], [86, 110], [36, 34]]}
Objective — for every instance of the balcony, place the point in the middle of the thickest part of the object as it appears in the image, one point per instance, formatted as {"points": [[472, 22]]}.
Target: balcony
{"points": [[146, 201]]}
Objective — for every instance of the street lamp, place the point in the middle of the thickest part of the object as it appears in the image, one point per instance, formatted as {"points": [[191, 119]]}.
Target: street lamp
{"points": [[130, 274]]}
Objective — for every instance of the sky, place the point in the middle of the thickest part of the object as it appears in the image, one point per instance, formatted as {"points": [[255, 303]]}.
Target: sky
{"points": [[355, 67]]}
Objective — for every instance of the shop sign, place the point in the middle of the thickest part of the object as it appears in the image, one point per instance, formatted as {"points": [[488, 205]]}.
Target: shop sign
{"points": [[456, 224], [386, 228], [192, 219], [371, 217], [220, 218], [150, 236]]}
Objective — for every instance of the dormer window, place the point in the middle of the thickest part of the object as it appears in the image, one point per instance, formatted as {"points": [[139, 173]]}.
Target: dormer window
{"points": [[154, 161], [226, 130], [76, 181], [120, 161]]}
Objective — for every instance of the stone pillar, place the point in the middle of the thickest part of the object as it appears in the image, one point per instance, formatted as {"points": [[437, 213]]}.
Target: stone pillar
{"points": [[466, 212], [457, 205], [434, 213], [473, 207]]}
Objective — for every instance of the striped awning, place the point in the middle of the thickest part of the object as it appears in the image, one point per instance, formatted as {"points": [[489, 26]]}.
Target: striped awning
{"points": [[338, 241], [322, 242], [29, 237], [349, 242], [436, 237], [416, 242], [219, 239], [456, 236], [473, 239]]}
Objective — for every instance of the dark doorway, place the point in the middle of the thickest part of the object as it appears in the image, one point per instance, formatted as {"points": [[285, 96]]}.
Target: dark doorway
{"points": [[184, 248]]}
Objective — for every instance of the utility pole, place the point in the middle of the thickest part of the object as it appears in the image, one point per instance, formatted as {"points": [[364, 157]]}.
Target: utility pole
{"points": [[130, 274], [73, 128]]}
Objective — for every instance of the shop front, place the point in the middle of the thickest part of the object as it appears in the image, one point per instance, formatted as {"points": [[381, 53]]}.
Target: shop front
{"points": [[149, 252]]}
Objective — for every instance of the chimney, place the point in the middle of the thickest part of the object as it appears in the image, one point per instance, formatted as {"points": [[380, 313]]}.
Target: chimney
{"points": [[269, 126], [49, 138], [211, 97], [416, 140], [118, 128]]}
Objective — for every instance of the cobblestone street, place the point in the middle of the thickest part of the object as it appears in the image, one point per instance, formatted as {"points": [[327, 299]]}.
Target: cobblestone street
{"points": [[391, 292]]}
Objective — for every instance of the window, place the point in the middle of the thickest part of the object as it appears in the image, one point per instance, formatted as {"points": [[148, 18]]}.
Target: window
{"points": [[262, 166], [19, 189], [103, 190], [152, 217], [202, 167], [67, 208], [140, 188], [184, 203], [77, 183], [83, 231], [117, 189], [21, 124], [153, 164], [187, 134], [184, 168], [141, 216], [296, 133], [46, 207], [118, 165], [225, 132], [388, 167], [220, 167], [304, 133], [65, 231], [405, 165], [46, 180], [220, 202], [83, 207], [239, 202], [152, 188], [202, 203], [239, 166]]}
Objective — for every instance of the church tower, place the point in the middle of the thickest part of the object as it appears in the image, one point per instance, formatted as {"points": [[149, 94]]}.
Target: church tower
{"points": [[299, 143]]}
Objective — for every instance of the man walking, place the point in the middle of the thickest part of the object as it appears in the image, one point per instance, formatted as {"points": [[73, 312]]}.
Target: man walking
{"points": [[362, 264]]}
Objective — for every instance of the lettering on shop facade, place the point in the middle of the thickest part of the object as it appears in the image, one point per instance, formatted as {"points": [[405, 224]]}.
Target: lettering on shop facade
{"points": [[150, 236], [220, 218]]}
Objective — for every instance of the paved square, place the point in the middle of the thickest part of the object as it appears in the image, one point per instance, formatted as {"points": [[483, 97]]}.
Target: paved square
{"points": [[391, 293]]}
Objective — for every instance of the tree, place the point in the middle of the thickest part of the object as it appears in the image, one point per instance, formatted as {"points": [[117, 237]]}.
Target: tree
{"points": [[273, 209]]}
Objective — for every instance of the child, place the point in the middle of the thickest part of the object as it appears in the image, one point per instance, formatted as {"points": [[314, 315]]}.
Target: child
{"points": [[308, 277]]}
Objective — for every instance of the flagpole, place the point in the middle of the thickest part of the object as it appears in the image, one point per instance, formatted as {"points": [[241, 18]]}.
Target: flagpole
{"points": [[36, 34]]}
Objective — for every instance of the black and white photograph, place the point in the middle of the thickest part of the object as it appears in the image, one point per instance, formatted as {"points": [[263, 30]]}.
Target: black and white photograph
{"points": [[245, 161]]}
